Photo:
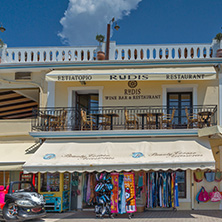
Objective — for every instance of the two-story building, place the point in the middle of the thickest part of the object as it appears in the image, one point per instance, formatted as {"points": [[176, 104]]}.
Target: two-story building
{"points": [[153, 110]]}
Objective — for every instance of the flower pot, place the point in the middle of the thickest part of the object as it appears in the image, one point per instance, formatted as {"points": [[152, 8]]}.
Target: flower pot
{"points": [[100, 55], [219, 53]]}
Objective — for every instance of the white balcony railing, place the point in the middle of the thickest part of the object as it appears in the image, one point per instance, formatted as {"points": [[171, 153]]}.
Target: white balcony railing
{"points": [[117, 53]]}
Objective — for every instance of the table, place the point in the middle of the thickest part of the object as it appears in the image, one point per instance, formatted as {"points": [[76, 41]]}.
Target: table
{"points": [[98, 115], [111, 115], [142, 115], [157, 118], [205, 117]]}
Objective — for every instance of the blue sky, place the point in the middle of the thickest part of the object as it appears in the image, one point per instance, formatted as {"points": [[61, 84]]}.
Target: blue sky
{"points": [[76, 22]]}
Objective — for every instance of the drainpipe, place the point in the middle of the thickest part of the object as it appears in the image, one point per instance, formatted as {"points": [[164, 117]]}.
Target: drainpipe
{"points": [[192, 191]]}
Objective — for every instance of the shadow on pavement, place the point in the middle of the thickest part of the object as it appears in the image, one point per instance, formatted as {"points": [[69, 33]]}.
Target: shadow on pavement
{"points": [[81, 215]]}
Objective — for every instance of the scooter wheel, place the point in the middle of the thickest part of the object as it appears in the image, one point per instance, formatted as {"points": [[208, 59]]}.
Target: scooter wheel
{"points": [[111, 216]]}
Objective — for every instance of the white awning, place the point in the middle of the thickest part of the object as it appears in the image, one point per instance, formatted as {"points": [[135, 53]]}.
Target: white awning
{"points": [[148, 74], [14, 155], [213, 132], [159, 154]]}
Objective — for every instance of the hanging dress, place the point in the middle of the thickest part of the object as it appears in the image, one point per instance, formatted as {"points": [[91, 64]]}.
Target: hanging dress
{"points": [[176, 192], [122, 198]]}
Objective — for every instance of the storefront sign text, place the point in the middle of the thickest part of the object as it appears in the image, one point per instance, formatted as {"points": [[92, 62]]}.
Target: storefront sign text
{"points": [[176, 154], [130, 77], [89, 157]]}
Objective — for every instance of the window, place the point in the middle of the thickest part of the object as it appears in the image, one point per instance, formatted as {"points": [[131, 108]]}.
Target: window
{"points": [[23, 76], [181, 180], [50, 182]]}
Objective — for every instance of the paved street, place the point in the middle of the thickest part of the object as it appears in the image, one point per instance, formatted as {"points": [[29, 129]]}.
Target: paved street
{"points": [[192, 216]]}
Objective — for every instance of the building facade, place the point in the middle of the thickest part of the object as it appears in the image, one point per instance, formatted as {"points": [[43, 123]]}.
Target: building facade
{"points": [[150, 110]]}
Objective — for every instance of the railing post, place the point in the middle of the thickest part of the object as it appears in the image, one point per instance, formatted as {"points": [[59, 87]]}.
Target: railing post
{"points": [[3, 54], [112, 50]]}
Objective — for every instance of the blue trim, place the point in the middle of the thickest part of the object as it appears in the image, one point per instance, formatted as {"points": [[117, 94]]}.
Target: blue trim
{"points": [[116, 134]]}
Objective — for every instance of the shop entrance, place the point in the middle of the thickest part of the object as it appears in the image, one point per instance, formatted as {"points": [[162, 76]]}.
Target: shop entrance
{"points": [[74, 190]]}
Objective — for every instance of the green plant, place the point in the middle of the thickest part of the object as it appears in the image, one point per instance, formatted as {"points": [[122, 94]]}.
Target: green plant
{"points": [[100, 38], [218, 37], [1, 43]]}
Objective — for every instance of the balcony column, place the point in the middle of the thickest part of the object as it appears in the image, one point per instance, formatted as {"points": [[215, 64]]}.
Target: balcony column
{"points": [[51, 94], [220, 96]]}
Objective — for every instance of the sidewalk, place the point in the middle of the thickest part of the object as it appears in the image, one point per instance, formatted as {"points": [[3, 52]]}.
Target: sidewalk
{"points": [[85, 216]]}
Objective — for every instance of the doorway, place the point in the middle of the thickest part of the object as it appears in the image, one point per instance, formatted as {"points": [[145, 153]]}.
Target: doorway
{"points": [[74, 191], [179, 100], [88, 101]]}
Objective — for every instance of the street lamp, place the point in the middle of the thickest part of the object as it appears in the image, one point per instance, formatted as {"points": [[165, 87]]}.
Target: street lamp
{"points": [[108, 36]]}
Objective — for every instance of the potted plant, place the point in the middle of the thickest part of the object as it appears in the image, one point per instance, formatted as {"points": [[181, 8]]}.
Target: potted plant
{"points": [[218, 37], [100, 54]]}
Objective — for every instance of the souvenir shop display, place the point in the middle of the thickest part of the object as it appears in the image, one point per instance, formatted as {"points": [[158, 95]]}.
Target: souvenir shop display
{"points": [[140, 185], [123, 195], [218, 175], [162, 190], [202, 196], [89, 194], [55, 187], [215, 195], [103, 189], [29, 177], [198, 175], [209, 175]]}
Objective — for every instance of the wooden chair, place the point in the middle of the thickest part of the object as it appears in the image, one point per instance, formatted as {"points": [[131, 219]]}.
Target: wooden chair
{"points": [[167, 120], [104, 122], [191, 119], [59, 122], [151, 121], [86, 121], [131, 121]]}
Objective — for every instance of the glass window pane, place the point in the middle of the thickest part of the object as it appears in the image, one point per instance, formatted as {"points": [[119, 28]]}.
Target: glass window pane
{"points": [[50, 182], [181, 180]]}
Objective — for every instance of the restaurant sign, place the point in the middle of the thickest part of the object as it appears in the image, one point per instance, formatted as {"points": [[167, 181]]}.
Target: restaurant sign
{"points": [[129, 77]]}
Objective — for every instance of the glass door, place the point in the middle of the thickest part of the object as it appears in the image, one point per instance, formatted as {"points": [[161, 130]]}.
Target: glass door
{"points": [[88, 102], [179, 101]]}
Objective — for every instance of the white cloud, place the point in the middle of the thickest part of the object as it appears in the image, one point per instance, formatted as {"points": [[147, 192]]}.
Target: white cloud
{"points": [[84, 19]]}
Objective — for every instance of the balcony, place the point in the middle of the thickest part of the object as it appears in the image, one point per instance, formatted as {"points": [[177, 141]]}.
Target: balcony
{"points": [[123, 118], [117, 53]]}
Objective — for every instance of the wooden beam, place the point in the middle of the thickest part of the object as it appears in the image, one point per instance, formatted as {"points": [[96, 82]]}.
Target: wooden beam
{"points": [[19, 116], [16, 111], [18, 106], [8, 102], [9, 96]]}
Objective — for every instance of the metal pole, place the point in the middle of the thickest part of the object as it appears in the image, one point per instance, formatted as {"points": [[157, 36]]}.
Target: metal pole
{"points": [[107, 42]]}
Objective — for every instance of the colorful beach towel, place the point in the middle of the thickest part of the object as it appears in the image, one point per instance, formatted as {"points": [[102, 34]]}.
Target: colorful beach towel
{"points": [[115, 192], [130, 192]]}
